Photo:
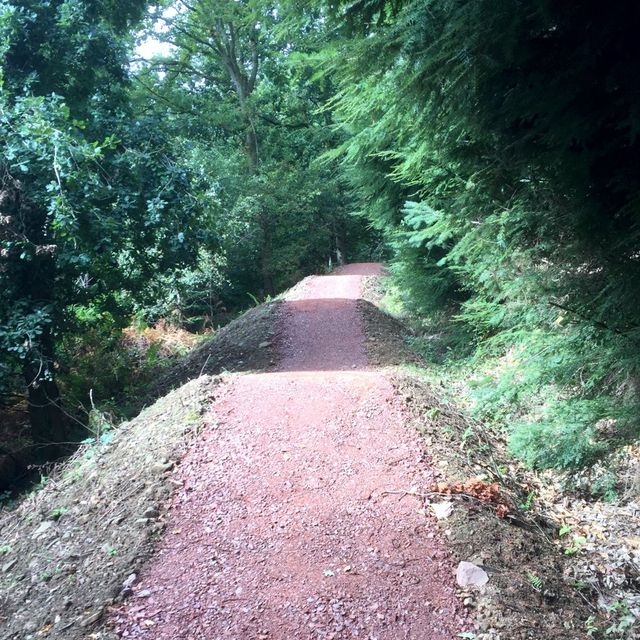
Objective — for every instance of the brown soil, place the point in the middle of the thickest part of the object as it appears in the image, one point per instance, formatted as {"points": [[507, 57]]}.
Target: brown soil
{"points": [[288, 523], [293, 504], [245, 344], [67, 549], [530, 593]]}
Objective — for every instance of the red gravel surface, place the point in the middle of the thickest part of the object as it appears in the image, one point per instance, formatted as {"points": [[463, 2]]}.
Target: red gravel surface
{"points": [[282, 528]]}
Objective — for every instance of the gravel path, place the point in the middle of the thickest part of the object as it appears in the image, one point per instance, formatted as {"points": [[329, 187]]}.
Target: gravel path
{"points": [[281, 529]]}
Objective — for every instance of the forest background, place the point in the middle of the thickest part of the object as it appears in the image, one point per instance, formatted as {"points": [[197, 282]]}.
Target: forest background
{"points": [[488, 151]]}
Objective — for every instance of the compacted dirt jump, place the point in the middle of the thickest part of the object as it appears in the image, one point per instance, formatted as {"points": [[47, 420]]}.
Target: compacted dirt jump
{"points": [[289, 521]]}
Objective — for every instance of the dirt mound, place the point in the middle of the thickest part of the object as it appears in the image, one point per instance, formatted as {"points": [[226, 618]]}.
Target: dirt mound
{"points": [[245, 344], [287, 526], [68, 548], [72, 548], [530, 593]]}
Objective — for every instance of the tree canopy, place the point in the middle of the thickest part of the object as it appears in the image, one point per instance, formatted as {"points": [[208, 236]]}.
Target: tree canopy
{"points": [[488, 150], [496, 145]]}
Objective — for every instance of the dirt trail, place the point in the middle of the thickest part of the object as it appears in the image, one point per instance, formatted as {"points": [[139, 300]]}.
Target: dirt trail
{"points": [[281, 528]]}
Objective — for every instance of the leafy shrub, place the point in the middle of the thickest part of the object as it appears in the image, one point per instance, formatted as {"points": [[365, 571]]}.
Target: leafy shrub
{"points": [[564, 437]]}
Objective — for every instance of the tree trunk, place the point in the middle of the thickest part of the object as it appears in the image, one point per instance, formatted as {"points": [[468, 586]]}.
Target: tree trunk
{"points": [[242, 70], [266, 257], [49, 428], [251, 142], [339, 238], [34, 288]]}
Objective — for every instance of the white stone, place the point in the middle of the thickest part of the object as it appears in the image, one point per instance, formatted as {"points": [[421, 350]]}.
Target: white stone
{"points": [[471, 575]]}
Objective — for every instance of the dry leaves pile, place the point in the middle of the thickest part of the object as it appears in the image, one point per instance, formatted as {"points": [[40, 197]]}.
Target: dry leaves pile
{"points": [[479, 490], [603, 539]]}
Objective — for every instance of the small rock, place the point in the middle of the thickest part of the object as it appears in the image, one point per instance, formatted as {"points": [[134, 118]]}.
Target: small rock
{"points": [[264, 345], [151, 513], [7, 566], [43, 528], [91, 618], [471, 575], [129, 581], [162, 467], [442, 510], [145, 593]]}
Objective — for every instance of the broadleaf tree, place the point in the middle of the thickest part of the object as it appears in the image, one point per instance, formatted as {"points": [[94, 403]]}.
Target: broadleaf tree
{"points": [[91, 200]]}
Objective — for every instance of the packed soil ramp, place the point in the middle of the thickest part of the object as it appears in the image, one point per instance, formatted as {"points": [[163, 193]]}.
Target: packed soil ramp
{"points": [[289, 520]]}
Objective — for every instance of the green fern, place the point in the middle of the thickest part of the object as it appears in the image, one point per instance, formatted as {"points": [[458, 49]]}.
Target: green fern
{"points": [[534, 581]]}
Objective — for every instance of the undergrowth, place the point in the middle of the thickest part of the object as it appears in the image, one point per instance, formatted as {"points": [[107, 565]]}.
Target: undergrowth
{"points": [[104, 370], [516, 389]]}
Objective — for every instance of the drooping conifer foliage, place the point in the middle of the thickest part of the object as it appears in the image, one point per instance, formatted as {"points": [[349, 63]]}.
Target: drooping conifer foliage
{"points": [[496, 144]]}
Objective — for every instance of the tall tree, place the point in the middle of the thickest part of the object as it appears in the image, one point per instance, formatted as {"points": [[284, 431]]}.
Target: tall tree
{"points": [[237, 80], [224, 44], [85, 195], [502, 171]]}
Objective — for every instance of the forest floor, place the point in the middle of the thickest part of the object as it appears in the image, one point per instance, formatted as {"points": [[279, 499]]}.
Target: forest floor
{"points": [[316, 491]]}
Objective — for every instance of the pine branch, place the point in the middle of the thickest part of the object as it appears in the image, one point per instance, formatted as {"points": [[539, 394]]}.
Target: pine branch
{"points": [[596, 323]]}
